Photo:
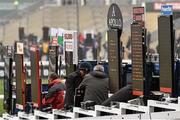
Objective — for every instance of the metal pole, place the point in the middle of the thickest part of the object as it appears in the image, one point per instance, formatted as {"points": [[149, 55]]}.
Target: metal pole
{"points": [[43, 17], [78, 28], [77, 15]]}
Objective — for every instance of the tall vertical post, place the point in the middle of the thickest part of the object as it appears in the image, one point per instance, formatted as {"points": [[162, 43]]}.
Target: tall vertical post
{"points": [[20, 76], [35, 77], [138, 51], [166, 53], [115, 25], [7, 104], [166, 49]]}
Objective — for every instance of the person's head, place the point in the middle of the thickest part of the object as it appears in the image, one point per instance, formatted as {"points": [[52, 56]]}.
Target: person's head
{"points": [[53, 76], [84, 68], [99, 68]]}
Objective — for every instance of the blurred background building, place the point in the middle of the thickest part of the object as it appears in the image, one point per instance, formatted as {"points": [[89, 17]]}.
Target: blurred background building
{"points": [[85, 16]]}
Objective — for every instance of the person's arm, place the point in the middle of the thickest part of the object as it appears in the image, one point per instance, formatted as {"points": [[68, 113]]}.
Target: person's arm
{"points": [[47, 101], [83, 83], [54, 89]]}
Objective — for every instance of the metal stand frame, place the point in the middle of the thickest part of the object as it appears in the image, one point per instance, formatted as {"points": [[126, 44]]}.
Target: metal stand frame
{"points": [[38, 114], [77, 111], [99, 109], [133, 107], [23, 115], [166, 105], [62, 113], [113, 113]]}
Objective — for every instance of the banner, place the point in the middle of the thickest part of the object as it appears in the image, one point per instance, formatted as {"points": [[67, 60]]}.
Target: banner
{"points": [[56, 36]]}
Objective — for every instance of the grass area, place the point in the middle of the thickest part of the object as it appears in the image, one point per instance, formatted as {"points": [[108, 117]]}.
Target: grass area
{"points": [[44, 81], [1, 87], [1, 107]]}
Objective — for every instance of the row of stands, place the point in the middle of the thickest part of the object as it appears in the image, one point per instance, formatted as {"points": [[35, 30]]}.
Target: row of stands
{"points": [[118, 111]]}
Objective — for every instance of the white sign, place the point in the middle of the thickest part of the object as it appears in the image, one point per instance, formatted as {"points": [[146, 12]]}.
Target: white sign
{"points": [[68, 39], [53, 32], [69, 47], [56, 36], [68, 36], [20, 48]]}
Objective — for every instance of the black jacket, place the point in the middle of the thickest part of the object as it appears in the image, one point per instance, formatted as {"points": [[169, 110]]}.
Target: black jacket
{"points": [[96, 84], [72, 82]]}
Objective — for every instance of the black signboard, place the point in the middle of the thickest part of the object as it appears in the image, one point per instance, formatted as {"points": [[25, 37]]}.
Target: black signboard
{"points": [[137, 59], [115, 25], [114, 18], [114, 60], [20, 81], [7, 84], [35, 77], [166, 53]]}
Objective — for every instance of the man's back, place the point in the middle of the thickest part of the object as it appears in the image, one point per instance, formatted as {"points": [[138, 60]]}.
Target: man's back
{"points": [[96, 84], [72, 82]]}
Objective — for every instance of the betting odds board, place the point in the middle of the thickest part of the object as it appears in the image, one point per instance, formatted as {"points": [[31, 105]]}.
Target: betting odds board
{"points": [[114, 60], [35, 77], [166, 53], [115, 25], [137, 59], [20, 82], [7, 84]]}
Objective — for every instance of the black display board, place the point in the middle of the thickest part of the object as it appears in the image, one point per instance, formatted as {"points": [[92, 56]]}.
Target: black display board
{"points": [[35, 77], [137, 59], [20, 81], [115, 25], [166, 53], [7, 103], [114, 60]]}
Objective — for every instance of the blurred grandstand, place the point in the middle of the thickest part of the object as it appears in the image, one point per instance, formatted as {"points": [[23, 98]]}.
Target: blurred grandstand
{"points": [[34, 14], [88, 16]]}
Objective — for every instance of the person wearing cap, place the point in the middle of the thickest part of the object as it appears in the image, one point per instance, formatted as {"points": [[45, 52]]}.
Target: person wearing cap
{"points": [[72, 82], [96, 85], [55, 96]]}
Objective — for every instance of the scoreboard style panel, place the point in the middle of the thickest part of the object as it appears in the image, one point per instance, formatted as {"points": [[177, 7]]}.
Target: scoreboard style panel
{"points": [[166, 53], [137, 59], [35, 78]]}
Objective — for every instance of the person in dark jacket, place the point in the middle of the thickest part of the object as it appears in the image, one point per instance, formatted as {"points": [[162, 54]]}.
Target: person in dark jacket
{"points": [[122, 95], [55, 96], [96, 85], [72, 82]]}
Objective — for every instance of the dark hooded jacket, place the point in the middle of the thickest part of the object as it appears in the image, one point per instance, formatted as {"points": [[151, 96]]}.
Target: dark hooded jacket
{"points": [[72, 82], [96, 87], [55, 96]]}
